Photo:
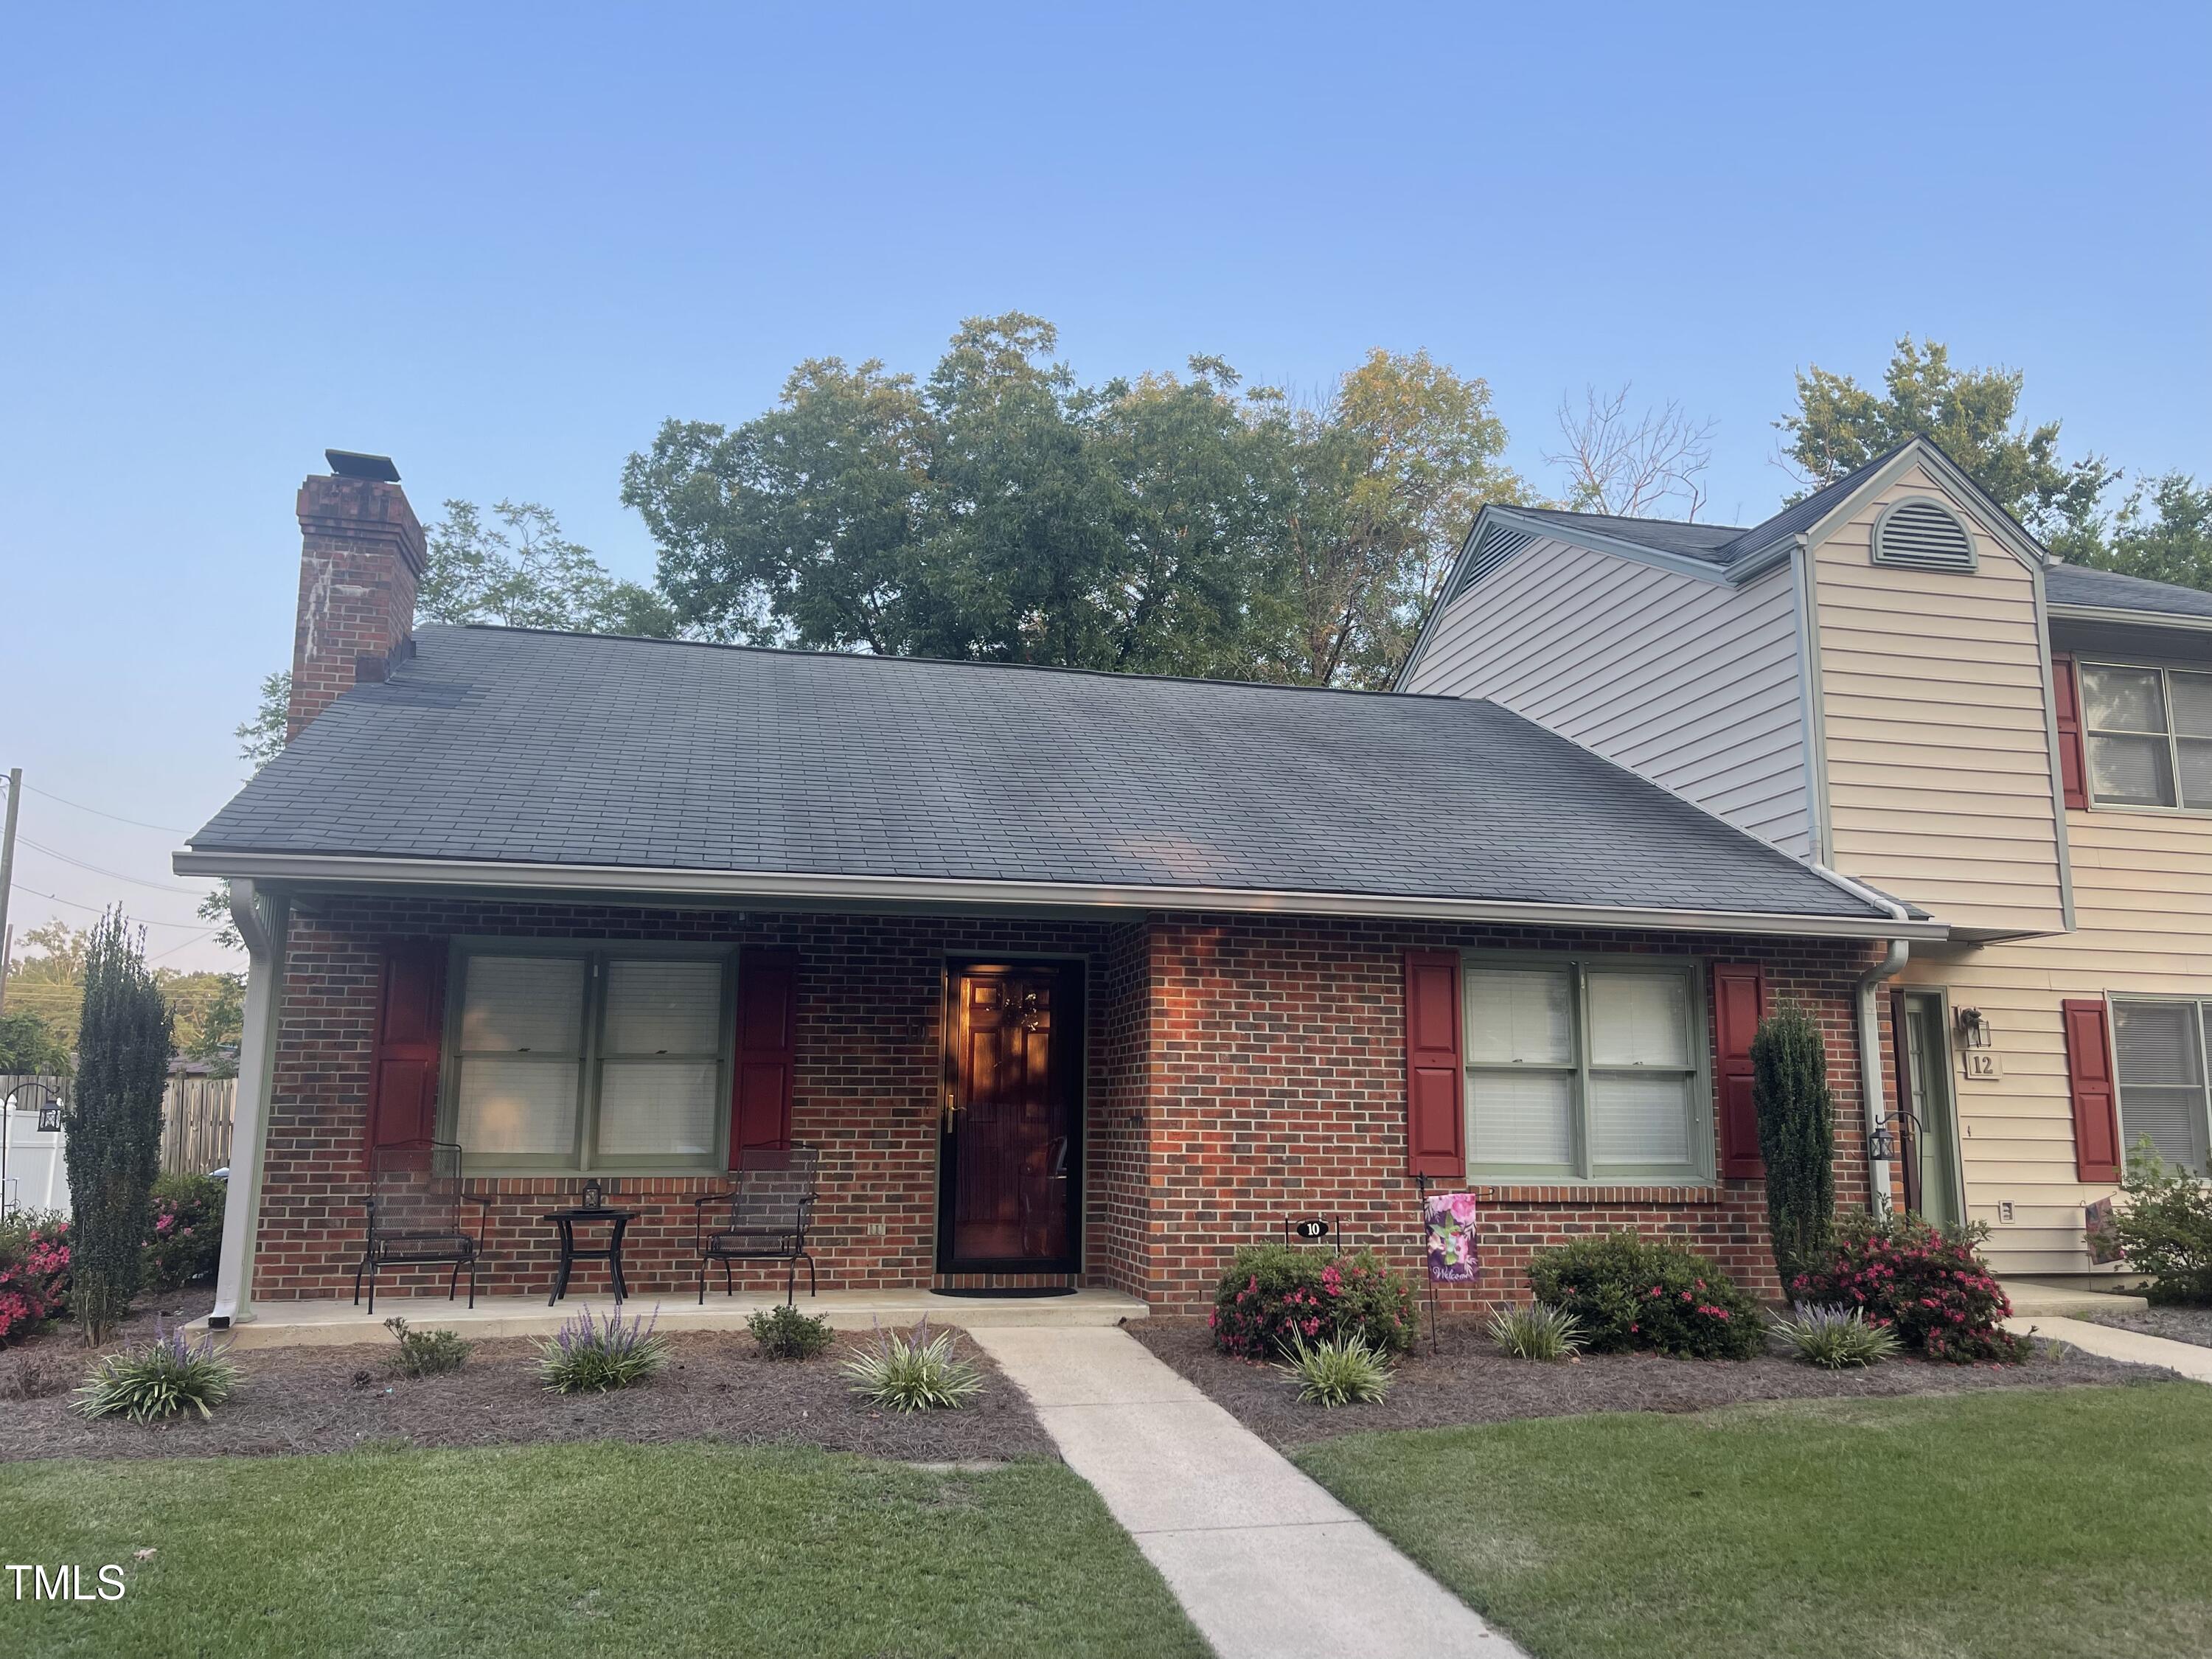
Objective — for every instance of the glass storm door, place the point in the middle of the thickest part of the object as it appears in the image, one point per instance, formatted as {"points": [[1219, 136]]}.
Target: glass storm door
{"points": [[1007, 1155]]}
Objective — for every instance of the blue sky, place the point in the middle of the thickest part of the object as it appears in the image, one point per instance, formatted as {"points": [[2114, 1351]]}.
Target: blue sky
{"points": [[502, 243]]}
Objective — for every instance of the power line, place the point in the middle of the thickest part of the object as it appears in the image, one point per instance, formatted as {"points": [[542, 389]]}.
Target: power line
{"points": [[136, 824], [113, 875], [181, 945], [79, 904]]}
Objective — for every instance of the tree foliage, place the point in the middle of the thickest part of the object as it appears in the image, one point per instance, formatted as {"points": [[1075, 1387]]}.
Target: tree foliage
{"points": [[46, 983], [2163, 532], [113, 1122], [1796, 1136], [27, 1044], [1840, 426], [519, 571], [1001, 510]]}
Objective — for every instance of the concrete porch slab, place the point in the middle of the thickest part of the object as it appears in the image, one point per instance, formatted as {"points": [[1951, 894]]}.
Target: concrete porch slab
{"points": [[2057, 1298], [338, 1322]]}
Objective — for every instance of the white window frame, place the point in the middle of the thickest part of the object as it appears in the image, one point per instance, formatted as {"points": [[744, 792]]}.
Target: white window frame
{"points": [[2166, 671], [583, 1156], [2202, 1005], [1699, 1171]]}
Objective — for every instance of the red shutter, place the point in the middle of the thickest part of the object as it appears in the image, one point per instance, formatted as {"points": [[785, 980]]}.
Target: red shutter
{"points": [[1434, 1136], [1739, 1004], [2089, 1079], [2066, 697], [767, 1040], [410, 1019]]}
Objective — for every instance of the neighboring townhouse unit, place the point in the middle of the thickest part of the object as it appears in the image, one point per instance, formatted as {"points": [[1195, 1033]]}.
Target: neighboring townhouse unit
{"points": [[1893, 680]]}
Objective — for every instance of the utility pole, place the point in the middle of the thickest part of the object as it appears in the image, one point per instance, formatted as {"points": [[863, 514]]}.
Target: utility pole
{"points": [[8, 870]]}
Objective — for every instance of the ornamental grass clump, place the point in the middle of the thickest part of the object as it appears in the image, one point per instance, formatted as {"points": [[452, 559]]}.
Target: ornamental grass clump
{"points": [[426, 1353], [911, 1373], [1835, 1338], [158, 1379], [1633, 1294], [1537, 1331], [1275, 1295], [590, 1356], [784, 1333], [1342, 1370], [1926, 1284]]}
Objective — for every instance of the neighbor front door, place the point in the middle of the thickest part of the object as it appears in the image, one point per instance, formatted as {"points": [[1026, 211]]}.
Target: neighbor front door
{"points": [[1930, 1138], [1008, 1154]]}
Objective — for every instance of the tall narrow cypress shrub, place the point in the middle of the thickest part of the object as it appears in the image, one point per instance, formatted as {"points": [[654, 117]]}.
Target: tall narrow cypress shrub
{"points": [[1796, 1136], [113, 1122]]}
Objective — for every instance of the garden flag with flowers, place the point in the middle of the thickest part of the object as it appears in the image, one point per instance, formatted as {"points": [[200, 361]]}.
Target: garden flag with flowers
{"points": [[1450, 1221]]}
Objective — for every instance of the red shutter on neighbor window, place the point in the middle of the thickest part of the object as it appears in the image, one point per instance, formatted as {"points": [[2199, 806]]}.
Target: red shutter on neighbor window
{"points": [[2066, 697], [2089, 1079], [767, 1048], [1434, 1136], [410, 1019], [1739, 1004]]}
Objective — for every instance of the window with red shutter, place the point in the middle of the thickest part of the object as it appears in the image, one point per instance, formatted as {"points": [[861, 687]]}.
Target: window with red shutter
{"points": [[1436, 1143], [2089, 1080], [1739, 1004], [411, 1018], [2066, 697], [767, 1053]]}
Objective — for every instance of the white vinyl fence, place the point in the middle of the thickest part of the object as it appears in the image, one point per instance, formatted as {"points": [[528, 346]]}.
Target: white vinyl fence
{"points": [[196, 1116]]}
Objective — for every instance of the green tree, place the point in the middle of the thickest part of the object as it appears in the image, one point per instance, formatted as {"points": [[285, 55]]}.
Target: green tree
{"points": [[1001, 510], [1796, 1136], [521, 572], [2163, 531], [113, 1122], [49, 984], [29, 1044], [261, 738], [209, 1013], [1972, 414]]}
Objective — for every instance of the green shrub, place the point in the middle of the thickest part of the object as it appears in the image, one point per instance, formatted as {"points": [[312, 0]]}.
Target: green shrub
{"points": [[912, 1373], [185, 1238], [1797, 1136], [2164, 1227], [1339, 1371], [1631, 1293], [158, 1379], [1538, 1331], [588, 1356], [784, 1333], [1835, 1338], [1927, 1284], [1275, 1295], [426, 1353]]}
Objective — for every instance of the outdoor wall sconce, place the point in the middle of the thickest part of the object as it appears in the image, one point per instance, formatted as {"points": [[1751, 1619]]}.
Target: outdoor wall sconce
{"points": [[1973, 1028]]}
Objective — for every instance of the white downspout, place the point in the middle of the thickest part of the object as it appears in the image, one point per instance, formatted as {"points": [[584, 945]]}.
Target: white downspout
{"points": [[263, 933], [1871, 1088]]}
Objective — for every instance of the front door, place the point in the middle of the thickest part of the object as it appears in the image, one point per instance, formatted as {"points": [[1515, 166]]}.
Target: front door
{"points": [[1930, 1139], [1008, 1159]]}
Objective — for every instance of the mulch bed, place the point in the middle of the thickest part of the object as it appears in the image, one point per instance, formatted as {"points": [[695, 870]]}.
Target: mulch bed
{"points": [[1468, 1381], [716, 1387], [2175, 1324]]}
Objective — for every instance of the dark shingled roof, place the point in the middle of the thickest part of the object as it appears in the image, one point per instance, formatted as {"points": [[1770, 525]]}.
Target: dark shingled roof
{"points": [[515, 745], [2073, 584]]}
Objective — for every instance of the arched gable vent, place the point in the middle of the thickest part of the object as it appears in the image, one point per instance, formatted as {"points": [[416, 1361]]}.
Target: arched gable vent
{"points": [[1923, 535], [1498, 544]]}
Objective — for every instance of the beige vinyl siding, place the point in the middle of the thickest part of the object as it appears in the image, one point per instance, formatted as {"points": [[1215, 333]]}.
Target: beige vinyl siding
{"points": [[1934, 726], [1691, 683]]}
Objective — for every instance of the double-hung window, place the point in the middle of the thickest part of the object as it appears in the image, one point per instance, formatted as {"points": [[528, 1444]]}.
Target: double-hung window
{"points": [[2148, 736], [2159, 1044], [605, 1059], [1586, 1069]]}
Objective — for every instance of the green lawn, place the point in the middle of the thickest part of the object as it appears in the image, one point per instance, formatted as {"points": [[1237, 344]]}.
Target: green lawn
{"points": [[579, 1549], [2066, 1521]]}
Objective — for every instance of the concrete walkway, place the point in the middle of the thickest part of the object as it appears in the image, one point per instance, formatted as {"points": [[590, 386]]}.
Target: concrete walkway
{"points": [[1265, 1562], [2191, 1361]]}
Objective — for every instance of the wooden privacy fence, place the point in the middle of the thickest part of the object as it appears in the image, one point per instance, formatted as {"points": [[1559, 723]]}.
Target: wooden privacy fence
{"points": [[196, 1124]]}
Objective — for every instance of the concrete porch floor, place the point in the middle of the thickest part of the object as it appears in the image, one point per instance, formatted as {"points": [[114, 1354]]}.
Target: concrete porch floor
{"points": [[304, 1324], [2056, 1298]]}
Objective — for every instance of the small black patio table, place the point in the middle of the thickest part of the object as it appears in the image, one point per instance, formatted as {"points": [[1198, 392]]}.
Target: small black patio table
{"points": [[564, 1222]]}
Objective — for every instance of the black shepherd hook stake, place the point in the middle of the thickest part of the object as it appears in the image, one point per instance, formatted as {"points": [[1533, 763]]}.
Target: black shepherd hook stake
{"points": [[1421, 1187]]}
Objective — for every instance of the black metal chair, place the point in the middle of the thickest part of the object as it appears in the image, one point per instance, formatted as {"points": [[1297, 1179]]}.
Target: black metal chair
{"points": [[415, 1217], [769, 1211]]}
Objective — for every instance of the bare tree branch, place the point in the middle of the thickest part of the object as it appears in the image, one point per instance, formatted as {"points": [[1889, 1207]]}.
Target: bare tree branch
{"points": [[1630, 466]]}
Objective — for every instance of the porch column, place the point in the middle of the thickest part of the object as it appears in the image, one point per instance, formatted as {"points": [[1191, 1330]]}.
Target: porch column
{"points": [[261, 926]]}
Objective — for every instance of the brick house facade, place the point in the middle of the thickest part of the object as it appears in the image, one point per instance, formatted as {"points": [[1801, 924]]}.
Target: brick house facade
{"points": [[1238, 1072]]}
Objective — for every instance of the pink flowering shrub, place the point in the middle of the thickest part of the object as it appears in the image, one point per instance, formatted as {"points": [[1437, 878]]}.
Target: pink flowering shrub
{"points": [[185, 1234], [1274, 1297], [1927, 1284], [1632, 1293], [34, 1260]]}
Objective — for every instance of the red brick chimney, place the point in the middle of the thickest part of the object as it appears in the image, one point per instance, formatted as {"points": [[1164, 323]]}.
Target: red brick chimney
{"points": [[360, 556]]}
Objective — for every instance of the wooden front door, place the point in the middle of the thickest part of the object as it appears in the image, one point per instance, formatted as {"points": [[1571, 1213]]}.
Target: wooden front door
{"points": [[1008, 1159]]}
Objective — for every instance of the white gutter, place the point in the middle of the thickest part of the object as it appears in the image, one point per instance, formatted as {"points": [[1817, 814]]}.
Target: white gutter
{"points": [[293, 867], [1870, 1078], [2129, 618], [262, 931]]}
